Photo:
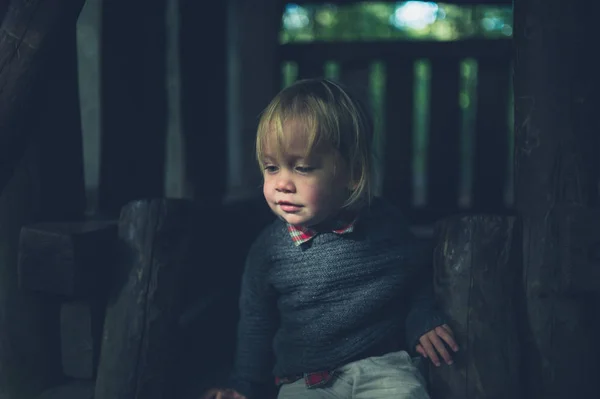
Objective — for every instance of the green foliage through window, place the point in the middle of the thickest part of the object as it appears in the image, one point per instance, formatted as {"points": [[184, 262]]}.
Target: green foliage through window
{"points": [[411, 20]]}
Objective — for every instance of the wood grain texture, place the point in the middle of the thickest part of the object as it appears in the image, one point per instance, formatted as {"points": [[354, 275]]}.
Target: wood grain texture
{"points": [[477, 274], [145, 302]]}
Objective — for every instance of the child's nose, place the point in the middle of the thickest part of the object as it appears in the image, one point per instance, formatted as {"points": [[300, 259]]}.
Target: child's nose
{"points": [[285, 184]]}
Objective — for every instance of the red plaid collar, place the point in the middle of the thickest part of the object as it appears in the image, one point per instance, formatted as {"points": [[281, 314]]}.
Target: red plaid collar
{"points": [[301, 234]]}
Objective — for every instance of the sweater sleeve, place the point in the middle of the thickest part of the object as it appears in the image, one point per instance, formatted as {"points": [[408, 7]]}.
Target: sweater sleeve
{"points": [[254, 360], [423, 313]]}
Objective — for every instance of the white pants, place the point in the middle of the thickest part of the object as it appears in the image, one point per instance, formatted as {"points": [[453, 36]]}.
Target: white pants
{"points": [[393, 375]]}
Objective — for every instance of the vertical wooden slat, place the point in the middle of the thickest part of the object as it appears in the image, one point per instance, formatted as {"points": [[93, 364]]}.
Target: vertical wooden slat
{"points": [[443, 155], [491, 134], [252, 81], [398, 141], [203, 60], [133, 102], [310, 68], [355, 76], [58, 131]]}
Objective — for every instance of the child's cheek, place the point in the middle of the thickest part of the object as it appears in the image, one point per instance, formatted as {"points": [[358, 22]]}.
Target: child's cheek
{"points": [[315, 194]]}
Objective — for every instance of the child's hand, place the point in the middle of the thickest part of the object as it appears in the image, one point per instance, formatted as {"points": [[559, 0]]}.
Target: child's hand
{"points": [[430, 342], [217, 393]]}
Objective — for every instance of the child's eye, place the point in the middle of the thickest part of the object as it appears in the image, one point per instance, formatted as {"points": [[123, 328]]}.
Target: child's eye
{"points": [[304, 169], [271, 168]]}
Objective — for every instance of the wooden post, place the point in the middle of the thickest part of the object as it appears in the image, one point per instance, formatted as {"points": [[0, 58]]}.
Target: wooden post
{"points": [[144, 303], [557, 142], [253, 78], [31, 32], [477, 274], [133, 102]]}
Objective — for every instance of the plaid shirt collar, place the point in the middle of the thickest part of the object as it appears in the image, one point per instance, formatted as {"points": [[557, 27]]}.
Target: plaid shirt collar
{"points": [[301, 234]]}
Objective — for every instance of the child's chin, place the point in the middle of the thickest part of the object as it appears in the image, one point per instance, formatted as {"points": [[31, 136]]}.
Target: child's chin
{"points": [[296, 220]]}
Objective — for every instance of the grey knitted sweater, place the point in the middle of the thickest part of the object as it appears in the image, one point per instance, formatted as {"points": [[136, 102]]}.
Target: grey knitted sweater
{"points": [[317, 306]]}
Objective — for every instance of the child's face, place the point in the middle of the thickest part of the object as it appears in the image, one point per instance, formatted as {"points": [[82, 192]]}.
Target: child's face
{"points": [[303, 190]]}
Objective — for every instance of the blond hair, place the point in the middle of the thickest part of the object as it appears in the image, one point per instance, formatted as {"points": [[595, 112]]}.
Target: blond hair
{"points": [[331, 116]]}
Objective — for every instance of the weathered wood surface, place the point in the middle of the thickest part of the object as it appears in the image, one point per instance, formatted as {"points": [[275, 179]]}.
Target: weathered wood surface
{"points": [[557, 89], [29, 344], [80, 334], [29, 341], [70, 259], [29, 32], [578, 237], [476, 280], [70, 390], [144, 305]]}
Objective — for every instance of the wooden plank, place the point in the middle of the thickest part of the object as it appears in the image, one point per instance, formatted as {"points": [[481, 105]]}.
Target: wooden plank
{"points": [[69, 259], [371, 50], [443, 155], [133, 103], [146, 298], [491, 135], [81, 333], [398, 140], [477, 270], [556, 87]]}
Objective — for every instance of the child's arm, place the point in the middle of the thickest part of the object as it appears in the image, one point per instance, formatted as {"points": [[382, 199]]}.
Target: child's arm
{"points": [[252, 374], [425, 324]]}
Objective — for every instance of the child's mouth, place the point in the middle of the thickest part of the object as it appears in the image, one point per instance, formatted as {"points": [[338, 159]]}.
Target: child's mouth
{"points": [[288, 207]]}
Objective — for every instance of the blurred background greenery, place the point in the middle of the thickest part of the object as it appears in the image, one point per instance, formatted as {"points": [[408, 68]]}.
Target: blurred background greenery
{"points": [[408, 21], [411, 20]]}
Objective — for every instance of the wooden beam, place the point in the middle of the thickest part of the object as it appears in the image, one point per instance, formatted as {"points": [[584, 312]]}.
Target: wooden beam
{"points": [[557, 99], [32, 38], [28, 34], [477, 274], [395, 50], [144, 304]]}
